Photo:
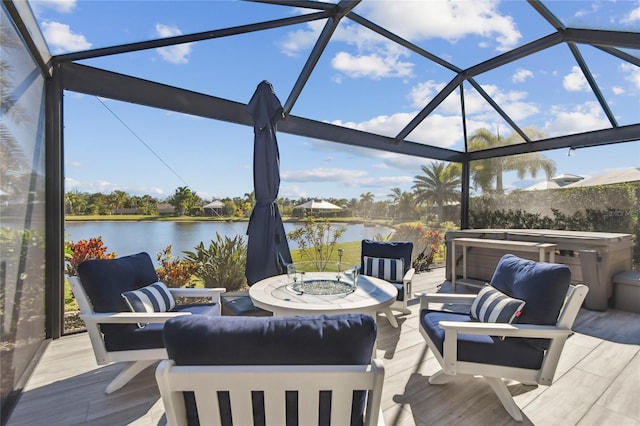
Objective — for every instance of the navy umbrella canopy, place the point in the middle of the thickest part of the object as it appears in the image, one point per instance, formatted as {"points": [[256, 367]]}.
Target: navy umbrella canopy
{"points": [[267, 248]]}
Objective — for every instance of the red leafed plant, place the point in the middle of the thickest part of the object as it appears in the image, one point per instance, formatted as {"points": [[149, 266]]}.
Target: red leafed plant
{"points": [[173, 271], [76, 253]]}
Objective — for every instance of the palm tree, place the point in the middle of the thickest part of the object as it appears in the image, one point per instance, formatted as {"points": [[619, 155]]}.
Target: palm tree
{"points": [[406, 206], [439, 185], [396, 195], [117, 200], [366, 199], [184, 200], [486, 172]]}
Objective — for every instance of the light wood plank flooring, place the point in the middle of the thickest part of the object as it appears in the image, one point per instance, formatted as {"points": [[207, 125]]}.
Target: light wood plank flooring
{"points": [[597, 381]]}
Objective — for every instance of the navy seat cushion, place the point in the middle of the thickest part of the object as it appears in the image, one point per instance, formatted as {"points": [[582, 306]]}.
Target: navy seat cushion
{"points": [[345, 339], [543, 287], [482, 349], [104, 280], [391, 250], [150, 336]]}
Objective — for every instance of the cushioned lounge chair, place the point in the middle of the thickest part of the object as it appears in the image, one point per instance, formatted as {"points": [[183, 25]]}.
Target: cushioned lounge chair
{"points": [[390, 261], [117, 333], [271, 371], [485, 343]]}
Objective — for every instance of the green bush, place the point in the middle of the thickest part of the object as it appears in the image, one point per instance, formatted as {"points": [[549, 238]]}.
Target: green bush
{"points": [[603, 208], [222, 264]]}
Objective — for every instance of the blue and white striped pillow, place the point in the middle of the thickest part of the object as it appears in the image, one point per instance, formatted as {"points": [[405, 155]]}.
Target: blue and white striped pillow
{"points": [[388, 269], [152, 298], [491, 305]]}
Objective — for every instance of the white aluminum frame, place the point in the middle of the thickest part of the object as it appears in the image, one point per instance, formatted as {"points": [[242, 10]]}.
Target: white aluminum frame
{"points": [[139, 359], [494, 374], [273, 380]]}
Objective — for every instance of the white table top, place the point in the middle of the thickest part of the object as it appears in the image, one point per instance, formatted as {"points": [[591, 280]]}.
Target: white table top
{"points": [[371, 295]]}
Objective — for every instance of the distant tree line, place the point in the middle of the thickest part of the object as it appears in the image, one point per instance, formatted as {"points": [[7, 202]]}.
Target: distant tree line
{"points": [[435, 194]]}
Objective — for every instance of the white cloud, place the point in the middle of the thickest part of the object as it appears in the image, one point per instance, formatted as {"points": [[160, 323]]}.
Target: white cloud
{"points": [[62, 6], [106, 187], [347, 177], [438, 130], [583, 12], [521, 75], [632, 74], [178, 54], [61, 39], [422, 93], [382, 181], [291, 191], [321, 175], [575, 81], [372, 65], [512, 102], [617, 90], [449, 20], [299, 40], [442, 19], [583, 118], [632, 17]]}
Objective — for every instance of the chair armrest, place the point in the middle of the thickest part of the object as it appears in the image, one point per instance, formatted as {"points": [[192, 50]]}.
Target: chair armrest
{"points": [[460, 299], [131, 317], [409, 275], [453, 328], [498, 329], [213, 293]]}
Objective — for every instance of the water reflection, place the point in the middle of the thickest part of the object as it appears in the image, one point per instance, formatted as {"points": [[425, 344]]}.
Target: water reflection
{"points": [[133, 237]]}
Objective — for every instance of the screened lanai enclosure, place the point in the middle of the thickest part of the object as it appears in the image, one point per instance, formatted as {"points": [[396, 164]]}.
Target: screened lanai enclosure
{"points": [[501, 90]]}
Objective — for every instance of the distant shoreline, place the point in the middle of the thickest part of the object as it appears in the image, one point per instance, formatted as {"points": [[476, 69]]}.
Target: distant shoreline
{"points": [[164, 218]]}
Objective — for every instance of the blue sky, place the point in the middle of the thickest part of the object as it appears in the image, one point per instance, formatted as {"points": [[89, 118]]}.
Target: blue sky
{"points": [[360, 81]]}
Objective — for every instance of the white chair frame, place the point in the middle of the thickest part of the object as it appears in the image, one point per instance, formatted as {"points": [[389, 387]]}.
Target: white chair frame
{"points": [[494, 374], [274, 381], [140, 359], [401, 305]]}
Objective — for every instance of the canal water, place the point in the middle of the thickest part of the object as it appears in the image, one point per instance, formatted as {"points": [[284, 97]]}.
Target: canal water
{"points": [[133, 237]]}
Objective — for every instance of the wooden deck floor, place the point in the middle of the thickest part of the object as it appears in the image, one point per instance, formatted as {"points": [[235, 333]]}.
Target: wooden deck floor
{"points": [[597, 381]]}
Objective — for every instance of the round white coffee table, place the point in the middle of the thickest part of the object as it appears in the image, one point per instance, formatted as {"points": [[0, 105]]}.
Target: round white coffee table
{"points": [[275, 294]]}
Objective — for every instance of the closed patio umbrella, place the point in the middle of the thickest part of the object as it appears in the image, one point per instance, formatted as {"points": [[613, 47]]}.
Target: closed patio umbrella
{"points": [[267, 248]]}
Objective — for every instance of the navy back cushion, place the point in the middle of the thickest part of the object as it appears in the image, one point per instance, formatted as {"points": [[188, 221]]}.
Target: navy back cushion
{"points": [[345, 339], [387, 249], [543, 286], [104, 280]]}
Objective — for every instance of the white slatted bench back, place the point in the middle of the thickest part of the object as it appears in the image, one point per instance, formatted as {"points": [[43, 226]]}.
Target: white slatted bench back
{"points": [[274, 382]]}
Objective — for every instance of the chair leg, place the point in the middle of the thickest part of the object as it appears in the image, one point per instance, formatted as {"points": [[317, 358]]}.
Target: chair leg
{"points": [[392, 319], [131, 370], [405, 311], [505, 397], [441, 378]]}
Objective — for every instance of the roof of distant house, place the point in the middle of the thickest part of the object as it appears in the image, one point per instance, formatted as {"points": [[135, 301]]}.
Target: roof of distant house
{"points": [[558, 181], [629, 174]]}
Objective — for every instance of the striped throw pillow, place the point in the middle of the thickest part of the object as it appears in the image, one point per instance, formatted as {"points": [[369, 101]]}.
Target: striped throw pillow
{"points": [[388, 269], [155, 297], [491, 305]]}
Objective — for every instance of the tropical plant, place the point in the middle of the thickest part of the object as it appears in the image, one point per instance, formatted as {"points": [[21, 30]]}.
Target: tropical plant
{"points": [[76, 253], [173, 271], [486, 172], [316, 240], [222, 264], [439, 185], [185, 201], [427, 243]]}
